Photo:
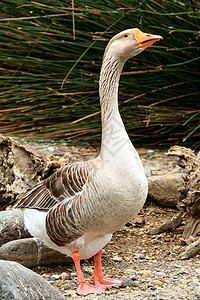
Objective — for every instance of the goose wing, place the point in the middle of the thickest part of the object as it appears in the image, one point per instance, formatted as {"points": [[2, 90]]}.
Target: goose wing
{"points": [[64, 184]]}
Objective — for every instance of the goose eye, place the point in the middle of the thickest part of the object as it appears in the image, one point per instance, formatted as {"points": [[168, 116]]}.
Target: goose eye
{"points": [[125, 35]]}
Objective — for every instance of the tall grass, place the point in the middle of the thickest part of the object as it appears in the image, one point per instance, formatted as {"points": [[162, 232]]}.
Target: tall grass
{"points": [[50, 58]]}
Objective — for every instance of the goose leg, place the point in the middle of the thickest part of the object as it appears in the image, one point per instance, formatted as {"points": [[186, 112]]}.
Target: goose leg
{"points": [[85, 288], [98, 273]]}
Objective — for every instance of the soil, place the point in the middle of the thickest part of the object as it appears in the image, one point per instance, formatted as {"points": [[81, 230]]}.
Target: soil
{"points": [[150, 261]]}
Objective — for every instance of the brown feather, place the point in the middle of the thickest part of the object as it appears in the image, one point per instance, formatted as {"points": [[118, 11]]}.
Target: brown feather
{"points": [[63, 184]]}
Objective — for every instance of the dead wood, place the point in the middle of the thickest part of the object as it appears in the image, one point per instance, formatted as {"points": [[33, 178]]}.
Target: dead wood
{"points": [[171, 225], [20, 168], [189, 202], [191, 250]]}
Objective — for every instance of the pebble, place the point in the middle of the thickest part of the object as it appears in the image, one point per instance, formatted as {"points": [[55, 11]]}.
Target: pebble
{"points": [[71, 292], [157, 282], [175, 278], [134, 278], [116, 258], [192, 284], [129, 271], [64, 275], [153, 288], [54, 277], [67, 287], [45, 276], [88, 270], [145, 273], [161, 274], [129, 282]]}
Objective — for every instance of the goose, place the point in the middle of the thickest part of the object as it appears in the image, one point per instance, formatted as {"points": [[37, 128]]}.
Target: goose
{"points": [[78, 208]]}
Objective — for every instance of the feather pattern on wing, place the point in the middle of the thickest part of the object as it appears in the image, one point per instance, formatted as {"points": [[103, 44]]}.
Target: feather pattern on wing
{"points": [[62, 185], [69, 219]]}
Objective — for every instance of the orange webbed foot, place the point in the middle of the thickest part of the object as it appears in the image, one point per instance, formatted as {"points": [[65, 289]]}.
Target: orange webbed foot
{"points": [[106, 281], [85, 289]]}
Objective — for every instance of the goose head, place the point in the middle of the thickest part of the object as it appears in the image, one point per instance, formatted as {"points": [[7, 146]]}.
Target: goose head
{"points": [[129, 43]]}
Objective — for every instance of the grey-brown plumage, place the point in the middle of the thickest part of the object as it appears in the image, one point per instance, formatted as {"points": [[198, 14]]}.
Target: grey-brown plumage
{"points": [[55, 195]]}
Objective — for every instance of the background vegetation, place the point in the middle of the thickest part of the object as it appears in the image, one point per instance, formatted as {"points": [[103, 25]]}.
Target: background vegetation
{"points": [[50, 59]]}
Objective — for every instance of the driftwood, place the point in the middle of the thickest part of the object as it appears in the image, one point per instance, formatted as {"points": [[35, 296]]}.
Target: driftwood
{"points": [[191, 250], [171, 225], [20, 168], [189, 202]]}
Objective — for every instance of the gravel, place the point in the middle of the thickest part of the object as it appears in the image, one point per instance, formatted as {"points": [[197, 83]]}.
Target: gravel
{"points": [[148, 265]]}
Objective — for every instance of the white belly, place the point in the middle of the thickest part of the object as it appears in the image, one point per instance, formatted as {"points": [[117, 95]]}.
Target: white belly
{"points": [[88, 245]]}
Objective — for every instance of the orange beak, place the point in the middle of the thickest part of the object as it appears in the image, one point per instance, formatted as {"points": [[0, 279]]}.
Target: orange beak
{"points": [[145, 40]]}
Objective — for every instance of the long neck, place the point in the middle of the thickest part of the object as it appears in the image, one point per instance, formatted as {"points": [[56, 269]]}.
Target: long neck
{"points": [[114, 137]]}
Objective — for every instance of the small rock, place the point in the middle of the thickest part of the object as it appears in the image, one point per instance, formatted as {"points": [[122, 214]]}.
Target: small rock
{"points": [[134, 278], [45, 276], [192, 284], [198, 272], [145, 273], [129, 271], [55, 277], [64, 275], [141, 261], [67, 287], [88, 270], [161, 274], [116, 258], [157, 282], [71, 292], [129, 282], [153, 288]]}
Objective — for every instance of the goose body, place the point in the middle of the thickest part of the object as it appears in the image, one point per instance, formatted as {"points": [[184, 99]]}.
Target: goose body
{"points": [[76, 210], [96, 234]]}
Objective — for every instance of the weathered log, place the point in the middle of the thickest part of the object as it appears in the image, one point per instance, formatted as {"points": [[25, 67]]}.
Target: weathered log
{"points": [[171, 225], [191, 250], [19, 169], [192, 230], [189, 201]]}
